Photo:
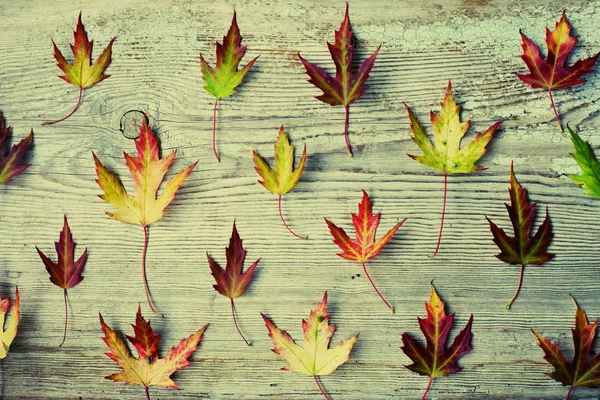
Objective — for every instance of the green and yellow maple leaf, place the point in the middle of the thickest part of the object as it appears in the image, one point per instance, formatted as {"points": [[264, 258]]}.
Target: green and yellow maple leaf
{"points": [[447, 156], [283, 178]]}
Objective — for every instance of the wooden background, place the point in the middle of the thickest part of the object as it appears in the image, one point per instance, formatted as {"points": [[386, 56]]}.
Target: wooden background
{"points": [[155, 68]]}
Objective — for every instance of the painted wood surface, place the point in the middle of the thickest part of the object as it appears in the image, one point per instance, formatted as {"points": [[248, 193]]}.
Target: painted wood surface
{"points": [[474, 43]]}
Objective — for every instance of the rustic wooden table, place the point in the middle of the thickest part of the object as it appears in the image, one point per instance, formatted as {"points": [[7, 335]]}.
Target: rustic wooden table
{"points": [[155, 68]]}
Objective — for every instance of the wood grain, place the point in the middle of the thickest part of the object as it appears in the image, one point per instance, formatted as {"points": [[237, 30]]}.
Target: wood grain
{"points": [[155, 68]]}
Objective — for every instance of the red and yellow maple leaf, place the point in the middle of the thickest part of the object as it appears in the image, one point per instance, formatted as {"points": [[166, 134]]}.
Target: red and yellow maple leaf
{"points": [[552, 73], [232, 281], [314, 358], [10, 164], [66, 272], [436, 360], [148, 369], [364, 247], [584, 369], [522, 249], [222, 80], [447, 156], [148, 171], [7, 336], [283, 178], [82, 73], [346, 87]]}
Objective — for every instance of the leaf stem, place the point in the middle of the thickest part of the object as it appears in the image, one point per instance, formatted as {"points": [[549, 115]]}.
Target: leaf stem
{"points": [[285, 223], [147, 392], [375, 287], [427, 389], [347, 110], [321, 387], [214, 139], [518, 288], [144, 272], [555, 112], [569, 393], [69, 114], [236, 324], [439, 241], [66, 317]]}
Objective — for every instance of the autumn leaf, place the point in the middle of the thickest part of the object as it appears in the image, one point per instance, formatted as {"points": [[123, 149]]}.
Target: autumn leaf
{"points": [[148, 171], [66, 272], [314, 358], [10, 165], [364, 247], [222, 80], [231, 281], [82, 72], [7, 336], [447, 156], [551, 73], [283, 178], [437, 359], [589, 179], [584, 369], [346, 87], [522, 249], [148, 369]]}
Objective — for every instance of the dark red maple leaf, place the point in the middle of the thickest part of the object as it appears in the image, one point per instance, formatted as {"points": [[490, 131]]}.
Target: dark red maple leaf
{"points": [[232, 281], [436, 359], [522, 249], [364, 247], [583, 370], [9, 165], [345, 87], [552, 73], [66, 272]]}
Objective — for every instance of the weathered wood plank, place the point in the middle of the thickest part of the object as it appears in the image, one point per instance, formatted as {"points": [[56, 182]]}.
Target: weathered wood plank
{"points": [[156, 69]]}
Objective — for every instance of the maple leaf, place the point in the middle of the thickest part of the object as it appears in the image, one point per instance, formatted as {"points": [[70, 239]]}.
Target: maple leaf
{"points": [[589, 179], [9, 165], [231, 281], [222, 80], [447, 156], [148, 369], [522, 249], [7, 336], [283, 178], [583, 370], [436, 359], [82, 72], [552, 73], [148, 171], [345, 88], [364, 247], [314, 358], [66, 272]]}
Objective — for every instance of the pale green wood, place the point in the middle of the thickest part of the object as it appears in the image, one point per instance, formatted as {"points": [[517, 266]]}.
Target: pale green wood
{"points": [[156, 68]]}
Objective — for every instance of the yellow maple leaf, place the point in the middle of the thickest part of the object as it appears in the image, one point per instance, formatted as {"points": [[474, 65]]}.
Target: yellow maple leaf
{"points": [[314, 358], [82, 73], [148, 171], [7, 336], [283, 178]]}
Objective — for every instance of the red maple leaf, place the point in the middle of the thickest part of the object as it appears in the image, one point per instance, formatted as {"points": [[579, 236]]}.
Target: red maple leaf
{"points": [[231, 281], [66, 272], [522, 249], [9, 165], [552, 73], [583, 370], [364, 247], [436, 360], [345, 87]]}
